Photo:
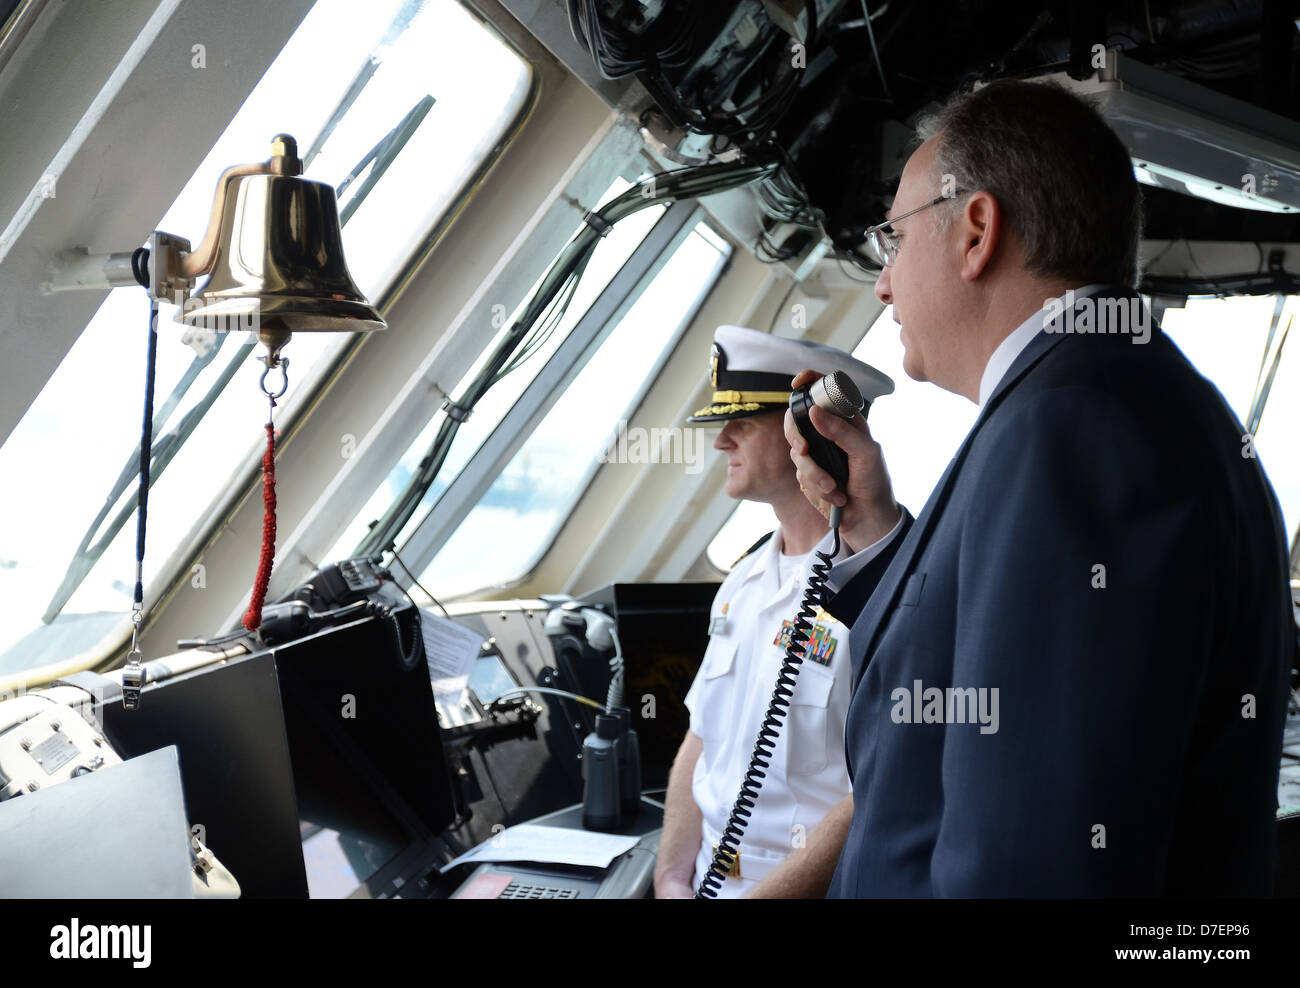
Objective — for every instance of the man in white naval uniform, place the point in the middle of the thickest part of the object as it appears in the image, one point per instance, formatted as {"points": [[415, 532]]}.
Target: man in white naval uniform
{"points": [[795, 832]]}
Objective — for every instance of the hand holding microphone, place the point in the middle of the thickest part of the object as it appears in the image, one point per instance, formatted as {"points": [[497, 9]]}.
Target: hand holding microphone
{"points": [[839, 466]]}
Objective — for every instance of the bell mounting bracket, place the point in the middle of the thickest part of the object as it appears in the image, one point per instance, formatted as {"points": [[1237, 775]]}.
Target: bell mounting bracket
{"points": [[173, 266]]}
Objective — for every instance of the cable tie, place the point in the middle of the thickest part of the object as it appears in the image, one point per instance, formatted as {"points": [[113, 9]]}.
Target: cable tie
{"points": [[597, 222], [458, 412]]}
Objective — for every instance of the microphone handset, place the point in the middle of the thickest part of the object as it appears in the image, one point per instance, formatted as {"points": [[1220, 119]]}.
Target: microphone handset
{"points": [[838, 394], [343, 591]]}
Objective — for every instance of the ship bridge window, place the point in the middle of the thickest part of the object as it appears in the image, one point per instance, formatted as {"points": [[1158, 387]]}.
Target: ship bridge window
{"points": [[610, 256], [1233, 342], [400, 104], [518, 517], [749, 521], [519, 465]]}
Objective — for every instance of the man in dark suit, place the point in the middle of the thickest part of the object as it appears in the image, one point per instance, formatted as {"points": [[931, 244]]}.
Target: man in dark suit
{"points": [[1070, 669]]}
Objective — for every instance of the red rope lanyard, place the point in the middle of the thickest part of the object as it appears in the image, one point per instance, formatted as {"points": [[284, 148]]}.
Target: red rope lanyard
{"points": [[253, 617]]}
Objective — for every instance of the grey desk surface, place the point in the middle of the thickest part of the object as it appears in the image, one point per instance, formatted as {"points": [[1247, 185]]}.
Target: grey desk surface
{"points": [[649, 819]]}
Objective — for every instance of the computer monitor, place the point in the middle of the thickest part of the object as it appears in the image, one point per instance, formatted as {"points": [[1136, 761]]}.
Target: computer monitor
{"points": [[371, 779]]}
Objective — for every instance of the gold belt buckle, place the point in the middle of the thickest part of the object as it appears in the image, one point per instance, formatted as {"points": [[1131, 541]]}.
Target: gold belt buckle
{"points": [[734, 870]]}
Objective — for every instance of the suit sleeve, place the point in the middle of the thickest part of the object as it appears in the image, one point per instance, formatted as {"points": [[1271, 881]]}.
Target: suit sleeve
{"points": [[847, 603], [1083, 619]]}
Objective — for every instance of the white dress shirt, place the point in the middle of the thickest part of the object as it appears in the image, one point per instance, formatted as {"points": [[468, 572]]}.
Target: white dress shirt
{"points": [[1001, 359]]}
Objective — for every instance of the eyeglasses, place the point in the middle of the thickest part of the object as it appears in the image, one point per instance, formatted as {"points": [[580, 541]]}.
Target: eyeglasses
{"points": [[880, 240]]}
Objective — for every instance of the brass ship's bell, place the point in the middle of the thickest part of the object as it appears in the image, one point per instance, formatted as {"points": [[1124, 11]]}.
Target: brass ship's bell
{"points": [[274, 250]]}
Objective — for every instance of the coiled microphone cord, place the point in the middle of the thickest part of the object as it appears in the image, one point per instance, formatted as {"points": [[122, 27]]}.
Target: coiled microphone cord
{"points": [[813, 596]]}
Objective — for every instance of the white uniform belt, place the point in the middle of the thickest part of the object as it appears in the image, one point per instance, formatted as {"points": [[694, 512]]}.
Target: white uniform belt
{"points": [[756, 863]]}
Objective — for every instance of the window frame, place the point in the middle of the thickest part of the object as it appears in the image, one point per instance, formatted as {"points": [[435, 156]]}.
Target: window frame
{"points": [[695, 215], [467, 489]]}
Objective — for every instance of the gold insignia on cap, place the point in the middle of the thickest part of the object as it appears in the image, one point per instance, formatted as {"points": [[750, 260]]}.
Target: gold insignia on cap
{"points": [[714, 353], [729, 409]]}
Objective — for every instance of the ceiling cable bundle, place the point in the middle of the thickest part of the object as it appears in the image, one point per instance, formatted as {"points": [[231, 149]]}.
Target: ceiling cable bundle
{"points": [[618, 52]]}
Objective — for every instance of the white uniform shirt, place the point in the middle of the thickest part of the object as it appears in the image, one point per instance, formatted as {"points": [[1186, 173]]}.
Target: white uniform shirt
{"points": [[751, 614]]}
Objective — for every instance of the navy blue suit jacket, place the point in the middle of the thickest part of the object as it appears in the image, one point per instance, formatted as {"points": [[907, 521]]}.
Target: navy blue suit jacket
{"points": [[1101, 554]]}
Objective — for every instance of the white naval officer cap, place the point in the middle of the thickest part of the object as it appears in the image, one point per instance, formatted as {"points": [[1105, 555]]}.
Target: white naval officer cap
{"points": [[751, 372]]}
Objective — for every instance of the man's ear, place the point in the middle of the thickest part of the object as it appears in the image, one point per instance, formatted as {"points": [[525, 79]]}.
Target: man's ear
{"points": [[980, 227]]}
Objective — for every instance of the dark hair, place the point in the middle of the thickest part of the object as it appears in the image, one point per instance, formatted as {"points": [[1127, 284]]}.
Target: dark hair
{"points": [[1062, 177]]}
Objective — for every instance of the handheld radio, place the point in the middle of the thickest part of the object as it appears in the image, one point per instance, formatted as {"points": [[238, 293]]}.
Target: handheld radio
{"points": [[838, 394]]}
